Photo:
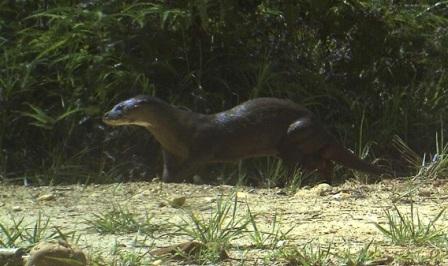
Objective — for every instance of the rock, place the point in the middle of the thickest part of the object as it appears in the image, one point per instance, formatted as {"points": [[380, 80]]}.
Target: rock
{"points": [[303, 193], [143, 194], [319, 190], [16, 208], [157, 262], [242, 195], [46, 197], [425, 193], [56, 254], [341, 196], [322, 189], [11, 256], [177, 202], [209, 200]]}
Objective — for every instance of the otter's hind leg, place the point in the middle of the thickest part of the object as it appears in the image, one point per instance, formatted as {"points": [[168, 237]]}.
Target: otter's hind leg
{"points": [[324, 168], [302, 146]]}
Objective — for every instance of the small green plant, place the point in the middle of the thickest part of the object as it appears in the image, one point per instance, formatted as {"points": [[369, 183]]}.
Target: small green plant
{"points": [[274, 173], [120, 220], [42, 120], [361, 257], [118, 257], [19, 234], [10, 236], [427, 166], [271, 170], [271, 239], [405, 229], [308, 255], [296, 180], [433, 257], [127, 258], [437, 165], [215, 231], [41, 230]]}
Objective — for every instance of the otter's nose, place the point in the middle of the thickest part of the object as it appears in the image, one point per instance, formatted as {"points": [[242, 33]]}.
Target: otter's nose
{"points": [[108, 116], [112, 115]]}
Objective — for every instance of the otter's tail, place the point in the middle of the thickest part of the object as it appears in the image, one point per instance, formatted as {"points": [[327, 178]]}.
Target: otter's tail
{"points": [[341, 155]]}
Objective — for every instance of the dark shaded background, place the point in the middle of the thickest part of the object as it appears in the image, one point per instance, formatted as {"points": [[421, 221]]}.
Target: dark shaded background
{"points": [[371, 69]]}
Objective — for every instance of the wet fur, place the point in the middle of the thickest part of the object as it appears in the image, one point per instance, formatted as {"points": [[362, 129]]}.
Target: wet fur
{"points": [[258, 127]]}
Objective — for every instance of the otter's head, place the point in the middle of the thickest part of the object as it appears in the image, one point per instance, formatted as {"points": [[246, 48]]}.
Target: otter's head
{"points": [[139, 111]]}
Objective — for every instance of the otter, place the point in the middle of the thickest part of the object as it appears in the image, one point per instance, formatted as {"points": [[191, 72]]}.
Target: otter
{"points": [[257, 127]]}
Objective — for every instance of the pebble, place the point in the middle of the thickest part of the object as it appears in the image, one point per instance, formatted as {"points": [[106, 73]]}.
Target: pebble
{"points": [[177, 202], [242, 195], [46, 197], [322, 189], [17, 208], [341, 196]]}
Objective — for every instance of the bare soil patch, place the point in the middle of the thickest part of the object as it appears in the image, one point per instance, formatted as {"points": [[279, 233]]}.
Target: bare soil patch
{"points": [[341, 216]]}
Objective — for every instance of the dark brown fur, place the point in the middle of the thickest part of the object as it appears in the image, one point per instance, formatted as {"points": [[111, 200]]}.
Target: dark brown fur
{"points": [[258, 127]]}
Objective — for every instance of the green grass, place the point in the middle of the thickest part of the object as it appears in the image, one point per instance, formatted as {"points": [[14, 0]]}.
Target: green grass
{"points": [[410, 229], [11, 236], [120, 257], [56, 80], [367, 254], [434, 257], [215, 230], [307, 255], [428, 166], [267, 239], [18, 233], [120, 220]]}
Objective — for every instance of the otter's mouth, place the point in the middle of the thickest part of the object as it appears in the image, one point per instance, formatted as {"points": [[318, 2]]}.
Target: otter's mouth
{"points": [[115, 122], [114, 119], [121, 121]]}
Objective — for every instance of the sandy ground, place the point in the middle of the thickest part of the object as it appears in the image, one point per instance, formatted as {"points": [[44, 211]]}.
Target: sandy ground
{"points": [[342, 216]]}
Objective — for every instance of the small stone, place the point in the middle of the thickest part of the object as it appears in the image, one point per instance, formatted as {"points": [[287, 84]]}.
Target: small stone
{"points": [[425, 193], [281, 243], [322, 189], [210, 199], [303, 193], [16, 208], [341, 196], [143, 194], [157, 262], [177, 202], [46, 253], [242, 195], [46, 197]]}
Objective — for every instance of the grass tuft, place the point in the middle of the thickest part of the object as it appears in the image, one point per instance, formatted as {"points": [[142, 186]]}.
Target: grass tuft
{"points": [[215, 231], [308, 255], [121, 221], [365, 256], [404, 229], [18, 234], [267, 240]]}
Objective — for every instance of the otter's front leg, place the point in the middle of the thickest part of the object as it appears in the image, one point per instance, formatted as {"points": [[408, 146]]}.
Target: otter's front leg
{"points": [[175, 168]]}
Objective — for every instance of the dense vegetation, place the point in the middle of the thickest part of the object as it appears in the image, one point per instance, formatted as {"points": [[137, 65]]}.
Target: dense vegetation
{"points": [[372, 69]]}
